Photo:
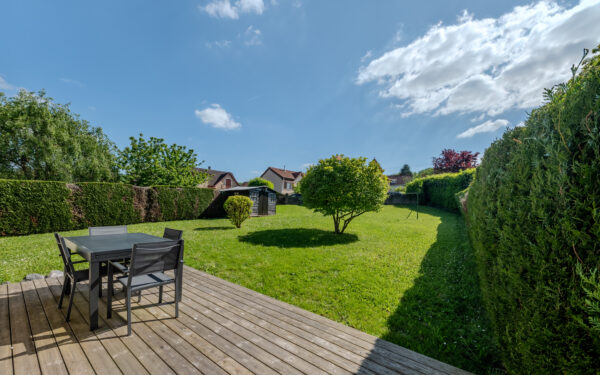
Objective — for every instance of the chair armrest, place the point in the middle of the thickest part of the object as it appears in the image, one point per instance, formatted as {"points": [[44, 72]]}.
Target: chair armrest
{"points": [[118, 266]]}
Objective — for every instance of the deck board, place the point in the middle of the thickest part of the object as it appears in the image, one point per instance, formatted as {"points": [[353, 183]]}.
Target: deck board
{"points": [[223, 328]]}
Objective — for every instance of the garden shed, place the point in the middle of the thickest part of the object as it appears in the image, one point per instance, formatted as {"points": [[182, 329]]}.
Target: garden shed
{"points": [[264, 201]]}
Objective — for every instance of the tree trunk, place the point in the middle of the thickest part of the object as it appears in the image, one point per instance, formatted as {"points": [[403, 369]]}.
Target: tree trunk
{"points": [[336, 224]]}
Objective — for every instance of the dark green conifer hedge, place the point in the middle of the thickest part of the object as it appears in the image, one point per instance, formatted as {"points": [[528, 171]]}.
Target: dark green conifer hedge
{"points": [[533, 214]]}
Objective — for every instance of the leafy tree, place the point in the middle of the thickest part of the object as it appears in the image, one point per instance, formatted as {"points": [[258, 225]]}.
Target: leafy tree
{"points": [[453, 161], [238, 209], [151, 162], [259, 181], [344, 188], [424, 173], [44, 140], [405, 171]]}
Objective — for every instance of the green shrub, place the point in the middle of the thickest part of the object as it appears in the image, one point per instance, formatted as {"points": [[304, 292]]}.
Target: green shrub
{"points": [[238, 208], [33, 207], [258, 181], [28, 206], [533, 216], [440, 190]]}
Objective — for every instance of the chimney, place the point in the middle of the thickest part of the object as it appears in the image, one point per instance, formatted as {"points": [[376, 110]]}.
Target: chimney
{"points": [[209, 167]]}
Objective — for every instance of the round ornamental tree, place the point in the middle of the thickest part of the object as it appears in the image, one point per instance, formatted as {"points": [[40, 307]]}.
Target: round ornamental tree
{"points": [[344, 188], [238, 209], [259, 181]]}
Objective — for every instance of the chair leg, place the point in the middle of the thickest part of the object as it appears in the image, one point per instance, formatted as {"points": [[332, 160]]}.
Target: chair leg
{"points": [[160, 291], [139, 296], [177, 298], [109, 294], [62, 293], [71, 300], [128, 312]]}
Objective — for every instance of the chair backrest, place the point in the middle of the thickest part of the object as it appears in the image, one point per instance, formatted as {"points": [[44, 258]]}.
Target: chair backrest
{"points": [[173, 234], [65, 254], [115, 229], [155, 257]]}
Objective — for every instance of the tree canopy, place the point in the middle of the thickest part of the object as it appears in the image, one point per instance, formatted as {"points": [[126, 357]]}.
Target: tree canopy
{"points": [[454, 161], [344, 188], [405, 171], [259, 181], [152, 162], [44, 140]]}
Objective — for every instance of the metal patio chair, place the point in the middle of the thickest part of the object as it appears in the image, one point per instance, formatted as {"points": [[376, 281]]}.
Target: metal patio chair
{"points": [[146, 270], [173, 234]]}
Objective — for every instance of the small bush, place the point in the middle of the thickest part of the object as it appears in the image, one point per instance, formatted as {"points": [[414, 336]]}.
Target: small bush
{"points": [[238, 208], [259, 181], [440, 190]]}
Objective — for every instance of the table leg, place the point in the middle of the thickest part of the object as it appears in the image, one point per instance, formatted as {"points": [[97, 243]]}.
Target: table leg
{"points": [[94, 289]]}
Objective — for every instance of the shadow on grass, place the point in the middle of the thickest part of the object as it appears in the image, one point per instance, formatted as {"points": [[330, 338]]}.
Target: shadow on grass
{"points": [[297, 237], [214, 228], [442, 315]]}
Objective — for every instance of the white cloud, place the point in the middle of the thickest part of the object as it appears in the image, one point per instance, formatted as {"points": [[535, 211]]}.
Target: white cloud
{"points": [[487, 127], [72, 82], [225, 9], [217, 117], [252, 36], [222, 44], [5, 85], [487, 65]]}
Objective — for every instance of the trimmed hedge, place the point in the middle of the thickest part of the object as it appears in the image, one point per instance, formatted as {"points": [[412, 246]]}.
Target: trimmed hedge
{"points": [[533, 214], [439, 190], [28, 207]]}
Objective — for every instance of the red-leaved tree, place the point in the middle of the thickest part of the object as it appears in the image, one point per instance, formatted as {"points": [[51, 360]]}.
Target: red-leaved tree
{"points": [[454, 161]]}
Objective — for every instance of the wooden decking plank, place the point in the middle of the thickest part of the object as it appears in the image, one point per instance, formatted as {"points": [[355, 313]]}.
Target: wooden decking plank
{"points": [[246, 345], [194, 356], [361, 359], [318, 355], [99, 358], [382, 347], [209, 350], [6, 362], [50, 359], [242, 357], [155, 361], [375, 361], [25, 360], [127, 362], [276, 347], [71, 351]]}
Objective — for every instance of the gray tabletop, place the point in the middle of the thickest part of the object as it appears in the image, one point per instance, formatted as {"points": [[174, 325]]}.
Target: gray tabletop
{"points": [[108, 246]]}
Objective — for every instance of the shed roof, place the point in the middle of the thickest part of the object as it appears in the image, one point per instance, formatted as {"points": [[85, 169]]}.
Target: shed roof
{"points": [[246, 188]]}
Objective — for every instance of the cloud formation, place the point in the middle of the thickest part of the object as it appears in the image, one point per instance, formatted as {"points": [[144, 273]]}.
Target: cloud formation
{"points": [[252, 36], [226, 9], [487, 127], [217, 117], [5, 85], [487, 65]]}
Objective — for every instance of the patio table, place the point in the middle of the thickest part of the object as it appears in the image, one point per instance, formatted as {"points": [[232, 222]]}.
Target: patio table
{"points": [[102, 248]]}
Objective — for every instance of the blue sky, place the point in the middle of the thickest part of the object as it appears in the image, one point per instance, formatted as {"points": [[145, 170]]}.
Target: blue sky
{"points": [[254, 83]]}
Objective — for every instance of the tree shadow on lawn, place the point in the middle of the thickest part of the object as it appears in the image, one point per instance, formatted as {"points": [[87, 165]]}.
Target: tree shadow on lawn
{"points": [[297, 237], [442, 315], [214, 228]]}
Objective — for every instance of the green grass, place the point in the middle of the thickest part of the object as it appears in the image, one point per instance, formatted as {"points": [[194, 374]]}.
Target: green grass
{"points": [[412, 282]]}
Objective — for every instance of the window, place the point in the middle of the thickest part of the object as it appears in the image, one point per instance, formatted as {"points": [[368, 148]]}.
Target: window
{"points": [[393, 181], [227, 183]]}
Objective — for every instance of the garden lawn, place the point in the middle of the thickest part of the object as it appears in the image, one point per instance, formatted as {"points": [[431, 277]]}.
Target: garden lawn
{"points": [[408, 281]]}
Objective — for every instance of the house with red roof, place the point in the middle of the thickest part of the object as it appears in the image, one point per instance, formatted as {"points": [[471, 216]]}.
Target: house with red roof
{"points": [[283, 180], [218, 179]]}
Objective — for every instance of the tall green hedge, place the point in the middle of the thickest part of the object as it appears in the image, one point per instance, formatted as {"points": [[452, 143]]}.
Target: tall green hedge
{"points": [[533, 214], [40, 206], [440, 190]]}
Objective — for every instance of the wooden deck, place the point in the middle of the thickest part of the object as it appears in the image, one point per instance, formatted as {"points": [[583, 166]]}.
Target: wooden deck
{"points": [[223, 328]]}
